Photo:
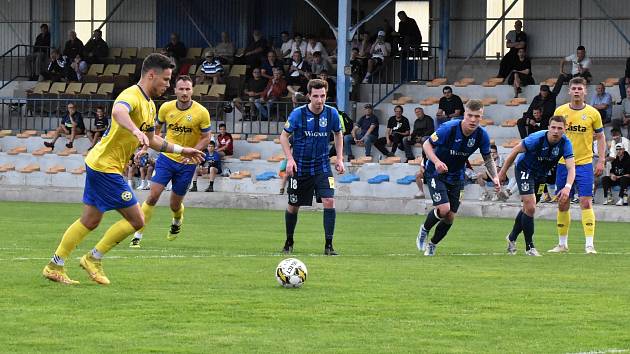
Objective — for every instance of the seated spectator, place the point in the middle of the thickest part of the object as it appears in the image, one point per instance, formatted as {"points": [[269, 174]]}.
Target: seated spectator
{"points": [[213, 165], [267, 66], [298, 75], [101, 123], [619, 176], [313, 46], [380, 49], [298, 45], [624, 120], [211, 68], [318, 64], [515, 39], [71, 125], [397, 129], [617, 139], [450, 107], [141, 165], [73, 46], [363, 45], [255, 50], [546, 100], [580, 66], [175, 48], [225, 143], [56, 69], [625, 80], [521, 72], [224, 50], [483, 178], [527, 125], [254, 88], [275, 90], [78, 68], [285, 47], [364, 133], [36, 60], [331, 94], [602, 101], [423, 127], [96, 48]]}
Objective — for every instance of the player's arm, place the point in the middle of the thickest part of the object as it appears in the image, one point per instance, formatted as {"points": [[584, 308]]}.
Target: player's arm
{"points": [[566, 190], [204, 140], [428, 150], [157, 143], [509, 160], [286, 148], [491, 169], [601, 152], [339, 166], [120, 114]]}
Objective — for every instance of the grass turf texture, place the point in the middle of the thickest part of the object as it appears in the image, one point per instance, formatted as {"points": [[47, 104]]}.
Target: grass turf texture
{"points": [[213, 290]]}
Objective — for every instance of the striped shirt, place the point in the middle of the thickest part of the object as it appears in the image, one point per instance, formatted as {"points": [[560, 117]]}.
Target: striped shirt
{"points": [[213, 66]]}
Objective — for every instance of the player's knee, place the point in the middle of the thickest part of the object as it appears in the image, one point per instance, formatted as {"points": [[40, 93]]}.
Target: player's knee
{"points": [[90, 223], [328, 203], [529, 209], [293, 209], [586, 202], [138, 222]]}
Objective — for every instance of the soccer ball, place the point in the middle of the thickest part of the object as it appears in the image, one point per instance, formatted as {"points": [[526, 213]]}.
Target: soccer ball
{"points": [[291, 273]]}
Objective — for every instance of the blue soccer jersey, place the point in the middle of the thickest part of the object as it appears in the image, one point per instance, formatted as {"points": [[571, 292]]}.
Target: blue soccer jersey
{"points": [[540, 156], [310, 138], [453, 149]]}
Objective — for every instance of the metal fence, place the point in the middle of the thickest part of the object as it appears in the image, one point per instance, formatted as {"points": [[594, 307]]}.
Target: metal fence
{"points": [[21, 61], [44, 114]]}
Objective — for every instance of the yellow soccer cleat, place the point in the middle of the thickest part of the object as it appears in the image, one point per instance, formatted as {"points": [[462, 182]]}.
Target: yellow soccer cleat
{"points": [[57, 274], [94, 268], [175, 229]]}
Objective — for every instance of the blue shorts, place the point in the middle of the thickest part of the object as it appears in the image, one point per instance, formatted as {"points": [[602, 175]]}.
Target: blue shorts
{"points": [[107, 191], [584, 179], [180, 175], [443, 192]]}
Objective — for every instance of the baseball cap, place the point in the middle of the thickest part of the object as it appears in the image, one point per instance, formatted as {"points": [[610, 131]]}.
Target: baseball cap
{"points": [[368, 106], [619, 146], [381, 33]]}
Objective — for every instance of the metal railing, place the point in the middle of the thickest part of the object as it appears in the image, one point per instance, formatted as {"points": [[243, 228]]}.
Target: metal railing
{"points": [[416, 64], [21, 61], [44, 114]]}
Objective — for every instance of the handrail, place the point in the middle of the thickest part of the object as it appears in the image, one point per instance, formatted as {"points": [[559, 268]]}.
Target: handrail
{"points": [[14, 63]]}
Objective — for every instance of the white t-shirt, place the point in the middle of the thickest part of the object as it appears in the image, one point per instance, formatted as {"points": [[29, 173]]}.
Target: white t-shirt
{"points": [[381, 50], [301, 46], [624, 141], [288, 45], [586, 63], [318, 47]]}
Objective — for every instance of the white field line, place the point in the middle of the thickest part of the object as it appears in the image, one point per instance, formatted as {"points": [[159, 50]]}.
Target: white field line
{"points": [[604, 351]]}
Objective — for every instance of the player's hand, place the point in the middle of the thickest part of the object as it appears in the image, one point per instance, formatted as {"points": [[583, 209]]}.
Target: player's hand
{"points": [[139, 154], [497, 184], [193, 155], [340, 167], [563, 196], [501, 176], [599, 169], [291, 167], [441, 167], [142, 138]]}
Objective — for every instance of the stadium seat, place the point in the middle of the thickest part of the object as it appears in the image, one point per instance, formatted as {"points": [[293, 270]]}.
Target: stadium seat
{"points": [[217, 91], [7, 167], [114, 53], [611, 81], [192, 70], [406, 180], [67, 152], [129, 53], [96, 69], [437, 82], [111, 69], [55, 169], [510, 123], [238, 70], [194, 53], [464, 82], [105, 89], [511, 143], [489, 101], [430, 101], [476, 162], [5, 132], [73, 88], [78, 171], [42, 151], [17, 150], [416, 162], [145, 51], [378, 179], [276, 158], [240, 174], [265, 176], [349, 178], [128, 69], [27, 134], [31, 167], [485, 122], [250, 156]]}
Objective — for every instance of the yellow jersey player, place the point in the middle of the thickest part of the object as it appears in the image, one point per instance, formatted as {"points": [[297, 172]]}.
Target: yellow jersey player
{"points": [[133, 114], [187, 124], [583, 121]]}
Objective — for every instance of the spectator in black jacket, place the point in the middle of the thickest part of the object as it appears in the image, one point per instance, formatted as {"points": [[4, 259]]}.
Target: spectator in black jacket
{"points": [[73, 46], [546, 100], [619, 176], [410, 36], [625, 80], [96, 48], [56, 70], [528, 125], [175, 48], [37, 58], [423, 127]]}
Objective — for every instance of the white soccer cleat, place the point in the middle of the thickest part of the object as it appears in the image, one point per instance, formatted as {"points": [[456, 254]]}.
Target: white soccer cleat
{"points": [[619, 202], [559, 249], [590, 250], [430, 250], [532, 252], [511, 248]]}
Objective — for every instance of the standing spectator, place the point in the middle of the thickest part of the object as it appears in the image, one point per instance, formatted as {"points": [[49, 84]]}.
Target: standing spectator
{"points": [[515, 39], [397, 129], [276, 88], [224, 50], [624, 120], [410, 36], [96, 48], [285, 47], [35, 61], [71, 124], [254, 88], [211, 68], [298, 45], [619, 176], [364, 133], [423, 127], [225, 142], [73, 46], [269, 64], [56, 69], [521, 72], [527, 125], [580, 66], [175, 48], [255, 50], [450, 106], [213, 165], [602, 101], [380, 49], [545, 100], [625, 80], [318, 64], [101, 124], [617, 139], [77, 69]]}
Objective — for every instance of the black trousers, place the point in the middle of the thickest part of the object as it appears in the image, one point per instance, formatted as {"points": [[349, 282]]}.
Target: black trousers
{"points": [[608, 183], [525, 129], [397, 143]]}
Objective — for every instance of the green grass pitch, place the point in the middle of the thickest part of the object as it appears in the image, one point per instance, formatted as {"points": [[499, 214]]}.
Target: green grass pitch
{"points": [[213, 290]]}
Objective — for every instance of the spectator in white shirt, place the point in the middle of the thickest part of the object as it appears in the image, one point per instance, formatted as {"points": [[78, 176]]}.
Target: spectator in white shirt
{"points": [[380, 49], [580, 66]]}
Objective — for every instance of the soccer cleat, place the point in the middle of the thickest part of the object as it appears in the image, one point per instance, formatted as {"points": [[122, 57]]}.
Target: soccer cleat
{"points": [[545, 198], [511, 247], [135, 243], [175, 229], [430, 249], [532, 252], [57, 274], [503, 195], [619, 202], [328, 251], [590, 250], [193, 188], [421, 240], [288, 247], [559, 249], [94, 268]]}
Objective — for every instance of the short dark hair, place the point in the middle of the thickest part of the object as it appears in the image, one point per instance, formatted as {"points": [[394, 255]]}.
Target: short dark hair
{"points": [[101, 108], [316, 84], [537, 108], [324, 71], [558, 119], [183, 78], [43, 25], [399, 106], [577, 81], [222, 125], [447, 88], [212, 143], [158, 62], [317, 54], [581, 47], [615, 130], [493, 146], [284, 32]]}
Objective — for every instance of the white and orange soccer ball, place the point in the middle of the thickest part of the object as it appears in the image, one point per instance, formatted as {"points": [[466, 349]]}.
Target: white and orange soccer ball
{"points": [[291, 273]]}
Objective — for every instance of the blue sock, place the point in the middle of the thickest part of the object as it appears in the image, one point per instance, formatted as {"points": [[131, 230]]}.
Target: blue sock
{"points": [[431, 219], [329, 225], [290, 222], [517, 228], [528, 230]]}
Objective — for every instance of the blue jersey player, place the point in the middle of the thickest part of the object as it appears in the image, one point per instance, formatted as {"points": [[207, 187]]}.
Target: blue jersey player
{"points": [[537, 154], [447, 151], [308, 167]]}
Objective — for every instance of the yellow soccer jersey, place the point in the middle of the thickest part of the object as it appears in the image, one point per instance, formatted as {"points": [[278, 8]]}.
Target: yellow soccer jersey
{"points": [[581, 124], [118, 144], [183, 127]]}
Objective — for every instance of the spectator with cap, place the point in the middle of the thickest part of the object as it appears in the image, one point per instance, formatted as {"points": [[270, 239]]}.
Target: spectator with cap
{"points": [[211, 68], [619, 176], [364, 133], [380, 49]]}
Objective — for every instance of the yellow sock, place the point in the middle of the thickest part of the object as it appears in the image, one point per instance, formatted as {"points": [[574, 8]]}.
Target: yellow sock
{"points": [[148, 214], [564, 221], [114, 235], [71, 239], [179, 213], [588, 222]]}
